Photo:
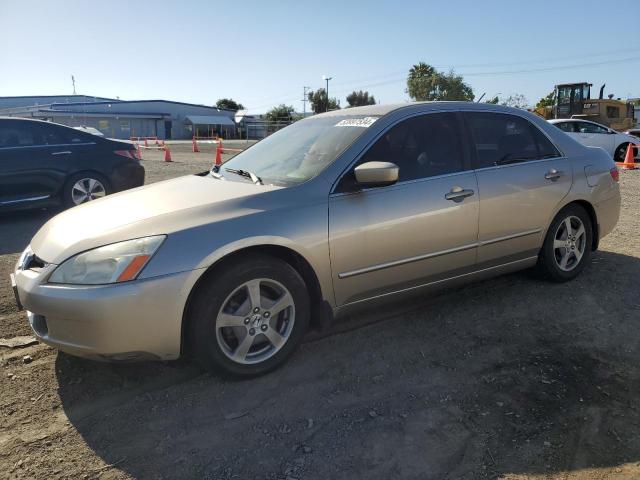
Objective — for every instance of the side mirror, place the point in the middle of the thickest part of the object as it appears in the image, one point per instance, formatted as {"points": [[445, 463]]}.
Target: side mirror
{"points": [[376, 174]]}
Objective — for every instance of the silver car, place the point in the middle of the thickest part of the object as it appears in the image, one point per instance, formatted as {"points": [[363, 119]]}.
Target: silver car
{"points": [[333, 213]]}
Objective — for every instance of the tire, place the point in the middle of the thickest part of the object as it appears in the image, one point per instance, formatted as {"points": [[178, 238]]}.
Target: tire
{"points": [[557, 260], [620, 153], [95, 185], [224, 298]]}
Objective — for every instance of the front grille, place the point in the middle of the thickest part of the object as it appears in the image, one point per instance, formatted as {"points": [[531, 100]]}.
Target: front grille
{"points": [[32, 261], [39, 324]]}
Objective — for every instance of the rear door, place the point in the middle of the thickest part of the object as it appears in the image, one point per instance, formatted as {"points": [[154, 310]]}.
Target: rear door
{"points": [[595, 136], [397, 237], [521, 179]]}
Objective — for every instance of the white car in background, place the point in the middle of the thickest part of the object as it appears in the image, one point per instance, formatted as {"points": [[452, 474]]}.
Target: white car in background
{"points": [[593, 134], [91, 130]]}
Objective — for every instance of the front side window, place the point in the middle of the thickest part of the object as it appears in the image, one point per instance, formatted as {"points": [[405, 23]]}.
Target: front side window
{"points": [[300, 151], [569, 127], [20, 134], [422, 147], [500, 139], [584, 127]]}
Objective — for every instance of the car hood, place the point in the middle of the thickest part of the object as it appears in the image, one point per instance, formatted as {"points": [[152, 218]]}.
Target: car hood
{"points": [[160, 208]]}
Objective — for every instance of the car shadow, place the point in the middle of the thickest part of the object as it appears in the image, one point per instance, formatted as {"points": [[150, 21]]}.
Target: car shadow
{"points": [[18, 228], [509, 376]]}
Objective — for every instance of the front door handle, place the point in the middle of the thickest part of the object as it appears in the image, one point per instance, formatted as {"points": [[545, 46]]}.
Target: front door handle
{"points": [[457, 194], [64, 152], [553, 174]]}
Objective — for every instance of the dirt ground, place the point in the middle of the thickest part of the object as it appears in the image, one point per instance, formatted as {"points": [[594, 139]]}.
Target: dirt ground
{"points": [[511, 378]]}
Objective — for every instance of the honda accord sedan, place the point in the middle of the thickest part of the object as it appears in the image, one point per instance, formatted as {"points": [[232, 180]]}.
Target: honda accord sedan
{"points": [[333, 213], [44, 164]]}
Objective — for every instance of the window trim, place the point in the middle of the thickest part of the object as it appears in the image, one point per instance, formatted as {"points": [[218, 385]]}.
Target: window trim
{"points": [[467, 163], [470, 139]]}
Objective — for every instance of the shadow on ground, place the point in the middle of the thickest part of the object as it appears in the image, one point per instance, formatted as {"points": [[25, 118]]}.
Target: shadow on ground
{"points": [[18, 228], [512, 375]]}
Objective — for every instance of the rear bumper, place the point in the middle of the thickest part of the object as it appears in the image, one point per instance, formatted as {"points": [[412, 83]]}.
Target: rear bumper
{"points": [[135, 320], [608, 213], [127, 175]]}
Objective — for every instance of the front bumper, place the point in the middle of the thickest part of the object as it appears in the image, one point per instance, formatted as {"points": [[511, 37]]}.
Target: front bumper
{"points": [[134, 320]]}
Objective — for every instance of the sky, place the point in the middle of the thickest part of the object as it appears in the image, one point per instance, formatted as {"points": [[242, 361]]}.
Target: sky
{"points": [[262, 53]]}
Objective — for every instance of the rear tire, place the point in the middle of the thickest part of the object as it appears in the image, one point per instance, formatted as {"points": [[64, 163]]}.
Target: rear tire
{"points": [[84, 187], [247, 319], [620, 153], [567, 246]]}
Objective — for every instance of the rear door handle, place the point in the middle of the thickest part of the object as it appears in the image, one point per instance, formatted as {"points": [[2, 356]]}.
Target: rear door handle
{"points": [[64, 152], [553, 174], [458, 194]]}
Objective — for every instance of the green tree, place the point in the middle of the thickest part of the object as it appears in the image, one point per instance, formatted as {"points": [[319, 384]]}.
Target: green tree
{"points": [[516, 100], [493, 100], [281, 113], [426, 83], [547, 101], [360, 98], [318, 100], [229, 104]]}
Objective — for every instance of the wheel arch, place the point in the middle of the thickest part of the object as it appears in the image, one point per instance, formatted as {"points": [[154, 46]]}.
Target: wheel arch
{"points": [[592, 216], [321, 311]]}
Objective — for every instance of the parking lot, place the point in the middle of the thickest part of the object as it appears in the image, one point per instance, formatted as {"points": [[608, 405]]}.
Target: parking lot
{"points": [[511, 378]]}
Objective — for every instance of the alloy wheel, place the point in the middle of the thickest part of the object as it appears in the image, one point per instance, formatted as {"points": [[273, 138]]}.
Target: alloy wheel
{"points": [[87, 189], [255, 321], [569, 244]]}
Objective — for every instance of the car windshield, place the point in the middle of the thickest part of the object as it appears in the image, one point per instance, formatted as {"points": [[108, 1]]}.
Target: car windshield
{"points": [[300, 151]]}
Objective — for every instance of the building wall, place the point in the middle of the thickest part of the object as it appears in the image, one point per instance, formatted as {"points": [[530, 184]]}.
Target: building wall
{"points": [[143, 118]]}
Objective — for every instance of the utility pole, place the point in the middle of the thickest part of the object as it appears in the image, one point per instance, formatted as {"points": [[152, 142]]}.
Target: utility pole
{"points": [[304, 101], [326, 79], [73, 82]]}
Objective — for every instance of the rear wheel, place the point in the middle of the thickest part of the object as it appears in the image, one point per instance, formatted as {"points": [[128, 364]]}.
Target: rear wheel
{"points": [[567, 246], [620, 153], [250, 318], [84, 187]]}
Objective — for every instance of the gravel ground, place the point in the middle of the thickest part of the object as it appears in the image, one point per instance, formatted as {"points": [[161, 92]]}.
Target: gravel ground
{"points": [[511, 378]]}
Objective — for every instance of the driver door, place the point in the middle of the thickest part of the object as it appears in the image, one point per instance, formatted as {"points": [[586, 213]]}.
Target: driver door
{"points": [[395, 238]]}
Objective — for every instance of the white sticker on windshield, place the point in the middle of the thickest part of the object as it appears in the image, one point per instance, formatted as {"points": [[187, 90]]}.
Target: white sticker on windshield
{"points": [[356, 122]]}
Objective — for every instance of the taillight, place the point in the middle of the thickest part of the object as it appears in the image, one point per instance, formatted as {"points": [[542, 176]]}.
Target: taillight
{"points": [[132, 154], [615, 174]]}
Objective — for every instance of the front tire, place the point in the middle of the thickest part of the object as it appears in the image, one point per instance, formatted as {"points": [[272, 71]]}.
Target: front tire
{"points": [[247, 319], [567, 246]]}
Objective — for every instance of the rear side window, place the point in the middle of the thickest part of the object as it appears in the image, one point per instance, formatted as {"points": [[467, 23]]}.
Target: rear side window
{"points": [[19, 134], [56, 135], [500, 139], [584, 127]]}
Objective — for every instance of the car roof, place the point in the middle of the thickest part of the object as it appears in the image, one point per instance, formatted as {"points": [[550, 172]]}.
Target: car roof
{"points": [[560, 120], [379, 110]]}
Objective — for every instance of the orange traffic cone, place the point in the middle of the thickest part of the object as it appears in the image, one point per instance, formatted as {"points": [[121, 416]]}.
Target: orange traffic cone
{"points": [[219, 154], [167, 154], [629, 162], [145, 143], [195, 145], [139, 151]]}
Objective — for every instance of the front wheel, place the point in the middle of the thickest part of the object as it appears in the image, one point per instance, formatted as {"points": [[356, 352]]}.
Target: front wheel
{"points": [[567, 246], [249, 318]]}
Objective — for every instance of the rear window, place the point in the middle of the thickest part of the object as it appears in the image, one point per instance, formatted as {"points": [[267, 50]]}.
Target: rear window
{"points": [[569, 127], [501, 139]]}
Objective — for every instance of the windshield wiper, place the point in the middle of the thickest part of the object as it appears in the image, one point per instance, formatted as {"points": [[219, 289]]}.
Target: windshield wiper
{"points": [[246, 174]]}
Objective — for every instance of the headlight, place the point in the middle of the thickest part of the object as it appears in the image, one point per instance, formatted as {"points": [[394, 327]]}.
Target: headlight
{"points": [[118, 262]]}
